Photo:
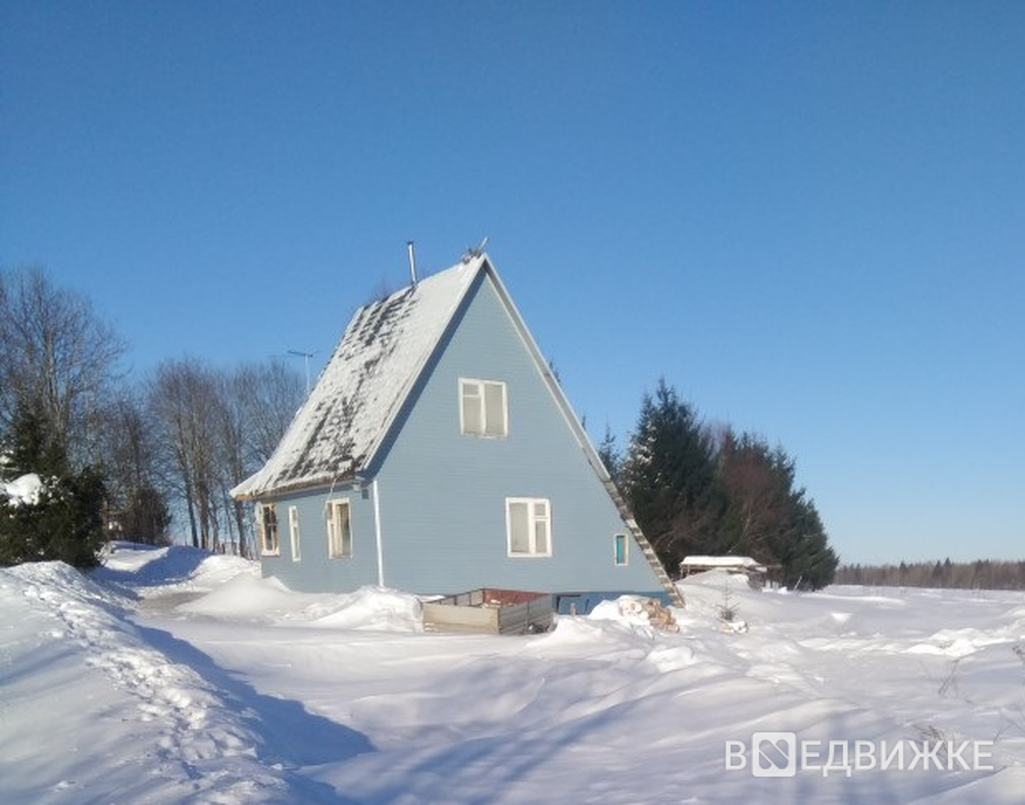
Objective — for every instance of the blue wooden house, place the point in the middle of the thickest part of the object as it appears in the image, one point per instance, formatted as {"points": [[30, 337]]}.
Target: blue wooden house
{"points": [[437, 453]]}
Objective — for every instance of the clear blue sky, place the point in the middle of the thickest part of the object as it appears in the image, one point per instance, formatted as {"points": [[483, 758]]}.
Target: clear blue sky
{"points": [[809, 217]]}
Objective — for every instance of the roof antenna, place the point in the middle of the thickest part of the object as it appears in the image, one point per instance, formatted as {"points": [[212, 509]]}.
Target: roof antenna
{"points": [[307, 355], [472, 253], [412, 263]]}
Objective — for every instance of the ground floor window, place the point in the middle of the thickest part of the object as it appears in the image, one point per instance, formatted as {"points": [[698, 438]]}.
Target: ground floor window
{"points": [[339, 529], [267, 528], [528, 526]]}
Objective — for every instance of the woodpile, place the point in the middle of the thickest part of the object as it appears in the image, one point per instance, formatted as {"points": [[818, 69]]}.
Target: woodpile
{"points": [[659, 616]]}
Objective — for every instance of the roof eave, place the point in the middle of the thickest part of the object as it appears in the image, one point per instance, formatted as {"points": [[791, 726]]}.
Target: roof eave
{"points": [[307, 485]]}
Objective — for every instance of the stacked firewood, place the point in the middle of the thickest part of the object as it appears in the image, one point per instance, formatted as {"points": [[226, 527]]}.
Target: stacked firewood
{"points": [[659, 616]]}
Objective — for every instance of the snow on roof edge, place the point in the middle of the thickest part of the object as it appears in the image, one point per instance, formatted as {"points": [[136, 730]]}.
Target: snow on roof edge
{"points": [[425, 309], [720, 561]]}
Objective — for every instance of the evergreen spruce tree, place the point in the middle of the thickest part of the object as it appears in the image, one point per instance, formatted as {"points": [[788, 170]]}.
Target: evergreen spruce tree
{"points": [[758, 483], [608, 452], [669, 479], [693, 492], [803, 550], [767, 518], [66, 523]]}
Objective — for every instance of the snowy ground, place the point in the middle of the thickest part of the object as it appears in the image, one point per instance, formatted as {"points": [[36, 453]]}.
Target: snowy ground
{"points": [[170, 676]]}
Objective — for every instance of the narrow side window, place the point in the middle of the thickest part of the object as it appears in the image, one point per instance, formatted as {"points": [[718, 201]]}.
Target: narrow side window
{"points": [[267, 529], [619, 547], [293, 531], [339, 529]]}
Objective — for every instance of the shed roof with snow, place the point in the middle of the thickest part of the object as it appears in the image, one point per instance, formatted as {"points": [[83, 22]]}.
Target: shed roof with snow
{"points": [[695, 564]]}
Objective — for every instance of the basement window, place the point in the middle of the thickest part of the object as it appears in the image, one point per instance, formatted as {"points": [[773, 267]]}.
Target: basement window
{"points": [[339, 529], [528, 526], [267, 529], [483, 410]]}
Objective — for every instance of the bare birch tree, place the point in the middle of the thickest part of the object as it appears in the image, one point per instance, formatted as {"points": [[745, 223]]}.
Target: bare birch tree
{"points": [[183, 400], [216, 428], [258, 402], [56, 356], [271, 393], [136, 507]]}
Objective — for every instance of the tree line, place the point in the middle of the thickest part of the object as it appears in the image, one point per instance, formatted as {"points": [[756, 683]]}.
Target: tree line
{"points": [[981, 574], [129, 451], [698, 488]]}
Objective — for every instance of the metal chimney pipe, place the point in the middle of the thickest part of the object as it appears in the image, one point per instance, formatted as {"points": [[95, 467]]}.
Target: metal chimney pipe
{"points": [[412, 262]]}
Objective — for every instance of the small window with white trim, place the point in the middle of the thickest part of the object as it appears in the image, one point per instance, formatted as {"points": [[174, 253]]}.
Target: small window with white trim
{"points": [[483, 408], [528, 526], [619, 550], [339, 529], [267, 529], [293, 532]]}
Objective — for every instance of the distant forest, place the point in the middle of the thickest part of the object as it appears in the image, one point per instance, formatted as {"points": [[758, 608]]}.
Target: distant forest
{"points": [[979, 575]]}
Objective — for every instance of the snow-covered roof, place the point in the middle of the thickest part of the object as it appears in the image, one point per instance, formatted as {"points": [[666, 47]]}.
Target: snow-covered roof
{"points": [[745, 562], [361, 389]]}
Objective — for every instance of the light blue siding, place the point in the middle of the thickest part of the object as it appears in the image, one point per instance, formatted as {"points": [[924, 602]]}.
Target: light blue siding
{"points": [[316, 571], [443, 495], [443, 515]]}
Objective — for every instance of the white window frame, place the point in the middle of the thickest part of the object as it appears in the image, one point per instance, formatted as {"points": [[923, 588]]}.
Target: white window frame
{"points": [[532, 519], [626, 549], [332, 507], [479, 385], [294, 533], [261, 529]]}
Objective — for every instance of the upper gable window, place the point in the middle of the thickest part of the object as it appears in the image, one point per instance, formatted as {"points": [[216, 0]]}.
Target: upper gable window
{"points": [[483, 408]]}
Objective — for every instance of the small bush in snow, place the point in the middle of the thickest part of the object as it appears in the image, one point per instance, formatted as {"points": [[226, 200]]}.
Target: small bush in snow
{"points": [[729, 608]]}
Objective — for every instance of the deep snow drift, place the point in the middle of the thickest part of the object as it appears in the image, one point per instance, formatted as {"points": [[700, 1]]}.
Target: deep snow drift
{"points": [[173, 676]]}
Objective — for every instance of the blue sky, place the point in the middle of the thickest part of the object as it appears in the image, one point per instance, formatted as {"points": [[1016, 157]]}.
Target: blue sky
{"points": [[809, 217]]}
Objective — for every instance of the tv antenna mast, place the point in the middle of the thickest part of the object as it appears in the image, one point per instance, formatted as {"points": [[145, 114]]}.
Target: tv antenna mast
{"points": [[307, 355]]}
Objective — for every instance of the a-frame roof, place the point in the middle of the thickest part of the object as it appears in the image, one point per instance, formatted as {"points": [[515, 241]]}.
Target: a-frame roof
{"points": [[359, 393], [336, 434]]}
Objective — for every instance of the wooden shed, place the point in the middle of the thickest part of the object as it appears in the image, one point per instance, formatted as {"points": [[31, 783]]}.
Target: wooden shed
{"points": [[755, 571]]}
